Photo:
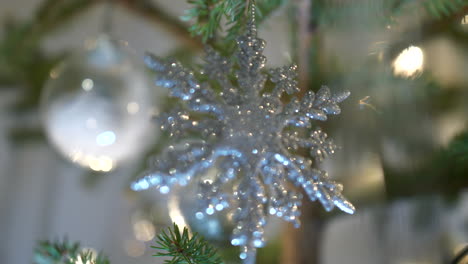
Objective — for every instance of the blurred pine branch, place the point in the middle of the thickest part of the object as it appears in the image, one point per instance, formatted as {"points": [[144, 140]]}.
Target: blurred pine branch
{"points": [[65, 252], [444, 173], [22, 61], [385, 12], [181, 246], [444, 8]]}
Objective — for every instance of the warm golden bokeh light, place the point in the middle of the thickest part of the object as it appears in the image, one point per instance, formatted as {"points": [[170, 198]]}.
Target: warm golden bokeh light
{"points": [[133, 108], [144, 230], [174, 211], [102, 163], [409, 62]]}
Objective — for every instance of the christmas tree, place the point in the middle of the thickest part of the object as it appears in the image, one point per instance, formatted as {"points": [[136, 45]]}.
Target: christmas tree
{"points": [[230, 124]]}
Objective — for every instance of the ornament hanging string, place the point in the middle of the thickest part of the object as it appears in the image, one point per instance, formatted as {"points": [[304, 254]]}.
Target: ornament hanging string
{"points": [[250, 255], [304, 38]]}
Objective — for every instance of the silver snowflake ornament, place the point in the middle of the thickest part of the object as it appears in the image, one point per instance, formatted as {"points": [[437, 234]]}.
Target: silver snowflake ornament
{"points": [[260, 146]]}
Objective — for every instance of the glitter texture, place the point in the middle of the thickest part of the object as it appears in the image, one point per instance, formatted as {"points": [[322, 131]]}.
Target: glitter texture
{"points": [[256, 142]]}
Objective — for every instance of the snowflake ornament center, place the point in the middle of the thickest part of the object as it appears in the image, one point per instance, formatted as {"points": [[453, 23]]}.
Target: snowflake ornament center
{"points": [[257, 143], [251, 128]]}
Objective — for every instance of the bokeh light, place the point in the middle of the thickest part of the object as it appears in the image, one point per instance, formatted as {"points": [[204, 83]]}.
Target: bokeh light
{"points": [[144, 230], [409, 62]]}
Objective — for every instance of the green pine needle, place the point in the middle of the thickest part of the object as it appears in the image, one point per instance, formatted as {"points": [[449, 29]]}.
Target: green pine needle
{"points": [[65, 252], [208, 15], [382, 12], [444, 8], [185, 249]]}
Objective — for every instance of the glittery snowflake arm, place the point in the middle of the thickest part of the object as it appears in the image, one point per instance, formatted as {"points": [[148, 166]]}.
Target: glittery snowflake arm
{"points": [[251, 61], [219, 68], [212, 198], [314, 107], [318, 143], [176, 165], [328, 192], [283, 203], [285, 79], [250, 217], [182, 84], [315, 183]]}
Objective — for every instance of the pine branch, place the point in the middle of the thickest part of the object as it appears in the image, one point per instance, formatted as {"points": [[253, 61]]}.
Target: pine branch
{"points": [[22, 61], [442, 8], [338, 12], [444, 173], [185, 249], [208, 14], [65, 252]]}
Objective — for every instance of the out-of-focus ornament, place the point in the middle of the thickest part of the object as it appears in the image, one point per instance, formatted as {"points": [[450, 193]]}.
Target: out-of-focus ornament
{"points": [[97, 106], [184, 210], [250, 136]]}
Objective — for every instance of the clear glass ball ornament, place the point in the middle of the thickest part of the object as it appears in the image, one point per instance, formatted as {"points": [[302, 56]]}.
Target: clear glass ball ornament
{"points": [[186, 209], [97, 106]]}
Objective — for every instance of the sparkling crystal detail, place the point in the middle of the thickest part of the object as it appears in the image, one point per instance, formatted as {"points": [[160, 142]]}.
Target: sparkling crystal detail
{"points": [[253, 139]]}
